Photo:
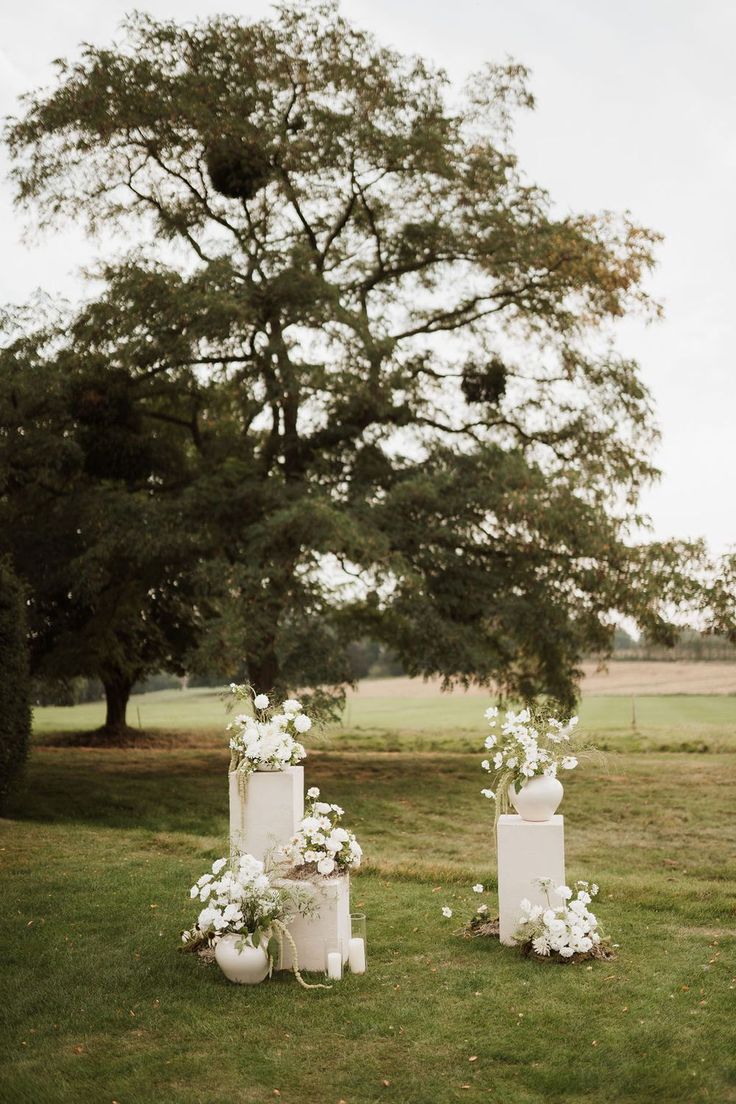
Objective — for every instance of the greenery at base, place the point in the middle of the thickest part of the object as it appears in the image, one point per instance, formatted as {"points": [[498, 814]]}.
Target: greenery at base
{"points": [[15, 707], [94, 987]]}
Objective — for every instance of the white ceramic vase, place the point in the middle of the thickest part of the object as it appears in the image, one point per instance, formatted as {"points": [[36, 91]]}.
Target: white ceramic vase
{"points": [[248, 966], [538, 798]]}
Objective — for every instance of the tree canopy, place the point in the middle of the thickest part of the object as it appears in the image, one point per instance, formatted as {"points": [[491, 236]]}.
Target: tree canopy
{"points": [[380, 359]]}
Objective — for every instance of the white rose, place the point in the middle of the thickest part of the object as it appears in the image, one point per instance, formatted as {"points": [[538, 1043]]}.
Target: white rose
{"points": [[218, 865], [302, 723], [326, 865]]}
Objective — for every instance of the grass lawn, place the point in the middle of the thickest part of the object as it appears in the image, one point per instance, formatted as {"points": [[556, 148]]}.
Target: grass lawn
{"points": [[102, 845], [381, 716]]}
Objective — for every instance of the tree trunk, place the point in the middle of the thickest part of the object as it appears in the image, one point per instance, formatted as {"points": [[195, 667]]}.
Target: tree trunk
{"points": [[117, 692], [263, 672]]}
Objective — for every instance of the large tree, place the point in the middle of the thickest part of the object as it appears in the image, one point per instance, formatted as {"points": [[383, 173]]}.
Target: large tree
{"points": [[390, 355], [92, 511]]}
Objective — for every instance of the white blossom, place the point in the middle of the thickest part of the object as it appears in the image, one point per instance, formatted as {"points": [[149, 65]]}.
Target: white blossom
{"points": [[261, 701], [446, 912]]}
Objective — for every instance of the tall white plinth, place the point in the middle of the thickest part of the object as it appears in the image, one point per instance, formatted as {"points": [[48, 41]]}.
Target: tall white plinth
{"points": [[265, 812], [527, 850], [328, 929]]}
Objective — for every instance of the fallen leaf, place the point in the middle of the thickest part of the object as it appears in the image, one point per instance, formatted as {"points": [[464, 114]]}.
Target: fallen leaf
{"points": [[473, 1058], [79, 1048], [385, 1082]]}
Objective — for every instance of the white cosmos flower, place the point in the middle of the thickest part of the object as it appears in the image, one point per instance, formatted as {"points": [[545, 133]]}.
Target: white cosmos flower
{"points": [[489, 742], [486, 765], [260, 701], [313, 792], [569, 762], [489, 794], [564, 892], [498, 760], [446, 912], [478, 888], [218, 865], [302, 723], [194, 891]]}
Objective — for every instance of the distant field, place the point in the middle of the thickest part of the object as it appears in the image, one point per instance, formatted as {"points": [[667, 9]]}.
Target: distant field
{"points": [[394, 714]]}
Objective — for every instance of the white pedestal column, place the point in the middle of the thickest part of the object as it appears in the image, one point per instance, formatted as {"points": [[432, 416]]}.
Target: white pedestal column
{"points": [[527, 850], [266, 811], [327, 929]]}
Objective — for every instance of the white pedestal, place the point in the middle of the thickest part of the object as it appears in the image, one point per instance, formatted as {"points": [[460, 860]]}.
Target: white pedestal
{"points": [[270, 813], [328, 929], [527, 850]]}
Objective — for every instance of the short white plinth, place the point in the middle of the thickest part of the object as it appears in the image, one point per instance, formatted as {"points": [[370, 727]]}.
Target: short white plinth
{"points": [[328, 929], [527, 850], [265, 812]]}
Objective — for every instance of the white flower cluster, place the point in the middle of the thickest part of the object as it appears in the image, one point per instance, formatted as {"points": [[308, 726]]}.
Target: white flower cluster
{"points": [[236, 899], [268, 740], [525, 748], [566, 930], [321, 841]]}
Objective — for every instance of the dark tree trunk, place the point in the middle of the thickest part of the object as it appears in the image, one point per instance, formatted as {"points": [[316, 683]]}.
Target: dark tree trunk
{"points": [[117, 693], [263, 672]]}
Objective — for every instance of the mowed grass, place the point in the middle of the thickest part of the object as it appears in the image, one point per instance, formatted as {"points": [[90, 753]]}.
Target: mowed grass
{"points": [[381, 714], [102, 845]]}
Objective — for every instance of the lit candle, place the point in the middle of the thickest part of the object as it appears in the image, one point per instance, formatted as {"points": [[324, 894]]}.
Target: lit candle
{"points": [[356, 956], [334, 965]]}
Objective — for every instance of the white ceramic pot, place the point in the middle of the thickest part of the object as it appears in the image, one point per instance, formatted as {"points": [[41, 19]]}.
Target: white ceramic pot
{"points": [[248, 966], [538, 798]]}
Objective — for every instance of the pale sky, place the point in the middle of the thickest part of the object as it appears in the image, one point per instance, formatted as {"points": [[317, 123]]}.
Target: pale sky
{"points": [[636, 109]]}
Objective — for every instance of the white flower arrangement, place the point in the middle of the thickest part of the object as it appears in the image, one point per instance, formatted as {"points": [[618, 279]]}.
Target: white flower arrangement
{"points": [[267, 739], [321, 845], [567, 932], [528, 745], [239, 898]]}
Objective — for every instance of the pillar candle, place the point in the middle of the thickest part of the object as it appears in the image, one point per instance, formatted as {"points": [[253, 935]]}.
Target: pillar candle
{"points": [[334, 965], [356, 956]]}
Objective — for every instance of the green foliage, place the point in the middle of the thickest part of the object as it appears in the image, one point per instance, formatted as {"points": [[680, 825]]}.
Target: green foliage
{"points": [[370, 393], [15, 706]]}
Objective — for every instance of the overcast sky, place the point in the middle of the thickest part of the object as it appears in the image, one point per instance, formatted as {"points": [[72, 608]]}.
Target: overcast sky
{"points": [[636, 109]]}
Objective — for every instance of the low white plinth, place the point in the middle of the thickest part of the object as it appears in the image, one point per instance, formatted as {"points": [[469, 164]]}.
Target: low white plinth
{"points": [[527, 850], [329, 929], [268, 815]]}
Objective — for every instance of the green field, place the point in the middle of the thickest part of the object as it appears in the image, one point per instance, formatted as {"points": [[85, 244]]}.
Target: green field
{"points": [[102, 844], [388, 720]]}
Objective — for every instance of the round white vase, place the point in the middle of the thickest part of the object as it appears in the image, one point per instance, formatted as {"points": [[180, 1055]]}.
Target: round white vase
{"points": [[248, 966], [538, 798]]}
